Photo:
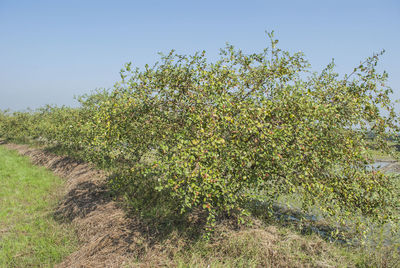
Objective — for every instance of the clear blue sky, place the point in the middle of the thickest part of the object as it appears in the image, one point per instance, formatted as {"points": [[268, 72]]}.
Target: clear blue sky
{"points": [[53, 50]]}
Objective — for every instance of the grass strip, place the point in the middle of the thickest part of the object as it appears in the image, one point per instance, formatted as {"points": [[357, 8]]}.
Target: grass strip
{"points": [[29, 235]]}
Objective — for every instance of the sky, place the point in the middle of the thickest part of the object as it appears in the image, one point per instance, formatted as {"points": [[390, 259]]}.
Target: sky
{"points": [[51, 51]]}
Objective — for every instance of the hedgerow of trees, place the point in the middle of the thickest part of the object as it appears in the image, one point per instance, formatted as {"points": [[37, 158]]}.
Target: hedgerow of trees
{"points": [[212, 136]]}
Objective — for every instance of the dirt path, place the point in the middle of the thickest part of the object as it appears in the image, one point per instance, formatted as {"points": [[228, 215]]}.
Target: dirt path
{"points": [[393, 167], [108, 238]]}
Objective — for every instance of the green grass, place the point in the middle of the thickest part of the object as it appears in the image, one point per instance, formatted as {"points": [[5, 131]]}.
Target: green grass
{"points": [[378, 155], [29, 236]]}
